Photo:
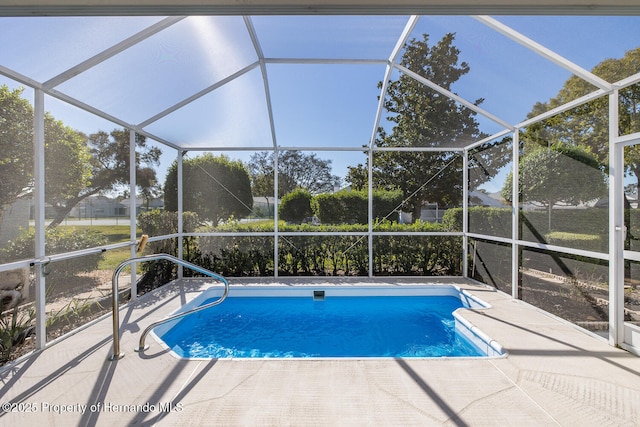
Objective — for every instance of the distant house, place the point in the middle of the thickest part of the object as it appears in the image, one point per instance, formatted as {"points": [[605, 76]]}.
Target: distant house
{"points": [[432, 212], [143, 205], [107, 207], [264, 206], [98, 207], [630, 198], [492, 200]]}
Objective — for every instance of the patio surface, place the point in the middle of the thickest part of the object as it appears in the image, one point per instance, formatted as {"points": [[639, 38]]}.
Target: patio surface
{"points": [[554, 374]]}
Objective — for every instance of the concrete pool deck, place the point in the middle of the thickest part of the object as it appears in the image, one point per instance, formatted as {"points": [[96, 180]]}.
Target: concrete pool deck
{"points": [[554, 374]]}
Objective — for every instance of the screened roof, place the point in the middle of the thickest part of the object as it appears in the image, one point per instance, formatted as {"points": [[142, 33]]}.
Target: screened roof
{"points": [[233, 82]]}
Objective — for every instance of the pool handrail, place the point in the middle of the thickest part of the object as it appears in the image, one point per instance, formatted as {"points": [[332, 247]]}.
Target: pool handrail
{"points": [[117, 354]]}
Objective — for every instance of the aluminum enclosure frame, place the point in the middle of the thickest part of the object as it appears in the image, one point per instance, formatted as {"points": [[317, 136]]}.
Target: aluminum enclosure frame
{"points": [[620, 333]]}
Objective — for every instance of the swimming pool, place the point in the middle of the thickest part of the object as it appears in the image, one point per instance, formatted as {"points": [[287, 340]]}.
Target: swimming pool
{"points": [[303, 322]]}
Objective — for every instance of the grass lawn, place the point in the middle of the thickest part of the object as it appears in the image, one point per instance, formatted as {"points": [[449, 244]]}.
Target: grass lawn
{"points": [[114, 234]]}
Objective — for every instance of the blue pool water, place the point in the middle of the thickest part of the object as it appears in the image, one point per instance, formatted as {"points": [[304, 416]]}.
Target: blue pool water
{"points": [[374, 326]]}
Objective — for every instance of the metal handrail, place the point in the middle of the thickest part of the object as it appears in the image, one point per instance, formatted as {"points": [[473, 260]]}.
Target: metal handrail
{"points": [[117, 354]]}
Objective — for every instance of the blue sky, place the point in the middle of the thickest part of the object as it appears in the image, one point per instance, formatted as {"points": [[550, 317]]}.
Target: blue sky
{"points": [[313, 104]]}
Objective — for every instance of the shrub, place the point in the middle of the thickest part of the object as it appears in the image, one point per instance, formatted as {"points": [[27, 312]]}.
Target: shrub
{"points": [[237, 255], [385, 202], [482, 220], [215, 187], [352, 207], [296, 206], [59, 240], [15, 326], [159, 223], [344, 207]]}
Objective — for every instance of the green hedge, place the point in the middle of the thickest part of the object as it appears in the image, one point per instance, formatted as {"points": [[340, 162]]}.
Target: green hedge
{"points": [[392, 254], [482, 220], [352, 207], [585, 229], [328, 255], [592, 221], [238, 256], [157, 223], [57, 241], [344, 207]]}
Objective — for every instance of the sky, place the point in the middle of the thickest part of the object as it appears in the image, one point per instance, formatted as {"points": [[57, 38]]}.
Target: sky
{"points": [[313, 104]]}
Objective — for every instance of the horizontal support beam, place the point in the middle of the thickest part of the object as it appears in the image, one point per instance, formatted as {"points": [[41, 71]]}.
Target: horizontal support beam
{"points": [[327, 7], [543, 246]]}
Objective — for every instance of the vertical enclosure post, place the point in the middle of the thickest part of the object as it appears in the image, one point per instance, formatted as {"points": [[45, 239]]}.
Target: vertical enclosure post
{"points": [[180, 183], [276, 204], [465, 211], [515, 216], [132, 208], [616, 227], [370, 212], [39, 178]]}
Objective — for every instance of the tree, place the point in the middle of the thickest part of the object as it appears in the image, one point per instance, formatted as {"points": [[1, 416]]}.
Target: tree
{"points": [[216, 188], [295, 170], [357, 177], [149, 188], [588, 124], [558, 174], [67, 157], [261, 171], [67, 163], [423, 117], [110, 167], [16, 146]]}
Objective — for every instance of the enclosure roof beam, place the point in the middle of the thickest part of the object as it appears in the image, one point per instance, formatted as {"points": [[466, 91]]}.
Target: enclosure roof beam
{"points": [[79, 104], [406, 32], [545, 52], [261, 63], [490, 138], [198, 95], [112, 51], [20, 78], [329, 61], [334, 148], [631, 80], [265, 80], [564, 107], [453, 96]]}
